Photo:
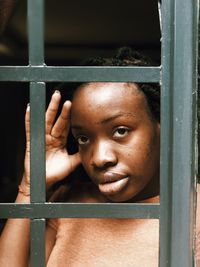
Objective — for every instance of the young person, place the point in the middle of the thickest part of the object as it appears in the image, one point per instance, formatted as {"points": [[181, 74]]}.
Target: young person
{"points": [[116, 127]]}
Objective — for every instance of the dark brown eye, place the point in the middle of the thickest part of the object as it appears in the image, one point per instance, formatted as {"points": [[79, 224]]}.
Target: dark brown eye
{"points": [[121, 132], [82, 140]]}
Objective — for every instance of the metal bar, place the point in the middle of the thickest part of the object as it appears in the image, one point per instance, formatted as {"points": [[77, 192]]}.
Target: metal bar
{"points": [[79, 210], [167, 14], [37, 161], [178, 132], [79, 74], [37, 254], [36, 31], [37, 122]]}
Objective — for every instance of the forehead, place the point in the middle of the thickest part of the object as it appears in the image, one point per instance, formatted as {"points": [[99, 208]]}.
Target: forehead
{"points": [[103, 99], [108, 86], [102, 91]]}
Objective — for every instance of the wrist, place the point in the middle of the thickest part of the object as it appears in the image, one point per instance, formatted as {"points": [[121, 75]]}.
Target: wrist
{"points": [[22, 197], [24, 190], [24, 187]]}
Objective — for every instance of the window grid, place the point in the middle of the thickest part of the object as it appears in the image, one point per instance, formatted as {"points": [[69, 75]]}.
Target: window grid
{"points": [[178, 133]]}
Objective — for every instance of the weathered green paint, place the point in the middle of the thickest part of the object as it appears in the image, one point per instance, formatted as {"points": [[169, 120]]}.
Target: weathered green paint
{"points": [[78, 210], [37, 118], [37, 129], [79, 74], [178, 132], [37, 243], [35, 14]]}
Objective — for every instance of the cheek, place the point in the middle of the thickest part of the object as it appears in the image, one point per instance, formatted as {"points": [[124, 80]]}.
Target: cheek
{"points": [[142, 153], [85, 159]]}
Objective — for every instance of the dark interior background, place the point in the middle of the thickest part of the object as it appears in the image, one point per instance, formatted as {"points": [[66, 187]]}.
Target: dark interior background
{"points": [[74, 30]]}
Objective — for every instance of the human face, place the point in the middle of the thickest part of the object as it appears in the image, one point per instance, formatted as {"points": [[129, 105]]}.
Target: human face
{"points": [[118, 139]]}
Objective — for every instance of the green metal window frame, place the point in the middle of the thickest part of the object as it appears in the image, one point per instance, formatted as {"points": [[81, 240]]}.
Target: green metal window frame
{"points": [[178, 78]]}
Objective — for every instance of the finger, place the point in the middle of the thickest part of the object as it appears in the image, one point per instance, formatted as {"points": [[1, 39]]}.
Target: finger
{"points": [[52, 110], [61, 127], [27, 123]]}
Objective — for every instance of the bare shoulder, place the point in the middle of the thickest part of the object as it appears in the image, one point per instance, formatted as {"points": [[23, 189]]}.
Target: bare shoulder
{"points": [[198, 227], [198, 209]]}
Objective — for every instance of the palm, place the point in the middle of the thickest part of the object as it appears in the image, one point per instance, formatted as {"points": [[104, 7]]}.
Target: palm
{"points": [[59, 163]]}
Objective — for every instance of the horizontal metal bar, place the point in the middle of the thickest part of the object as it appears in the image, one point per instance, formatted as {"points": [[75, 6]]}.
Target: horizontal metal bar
{"points": [[79, 74], [80, 210]]}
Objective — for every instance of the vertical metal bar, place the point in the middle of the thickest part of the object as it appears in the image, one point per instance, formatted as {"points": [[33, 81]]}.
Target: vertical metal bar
{"points": [[167, 13], [37, 169], [37, 121], [37, 247], [36, 31], [37, 101], [178, 132]]}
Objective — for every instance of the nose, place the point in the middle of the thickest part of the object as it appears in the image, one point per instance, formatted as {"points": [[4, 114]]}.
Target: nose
{"points": [[104, 156]]}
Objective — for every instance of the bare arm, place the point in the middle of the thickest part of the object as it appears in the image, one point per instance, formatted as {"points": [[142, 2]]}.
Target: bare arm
{"points": [[50, 241], [198, 228], [14, 241]]}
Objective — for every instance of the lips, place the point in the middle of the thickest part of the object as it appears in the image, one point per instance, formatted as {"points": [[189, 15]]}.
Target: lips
{"points": [[112, 183]]}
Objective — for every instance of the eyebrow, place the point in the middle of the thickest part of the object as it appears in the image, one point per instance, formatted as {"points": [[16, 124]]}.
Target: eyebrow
{"points": [[104, 121], [121, 114]]}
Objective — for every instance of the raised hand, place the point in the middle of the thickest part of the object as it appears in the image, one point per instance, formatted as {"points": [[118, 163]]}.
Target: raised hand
{"points": [[59, 163]]}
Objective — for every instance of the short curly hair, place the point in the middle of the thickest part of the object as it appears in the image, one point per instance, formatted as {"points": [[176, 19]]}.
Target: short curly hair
{"points": [[125, 56]]}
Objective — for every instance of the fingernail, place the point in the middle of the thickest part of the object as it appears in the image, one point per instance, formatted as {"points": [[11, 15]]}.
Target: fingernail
{"points": [[28, 107], [56, 92]]}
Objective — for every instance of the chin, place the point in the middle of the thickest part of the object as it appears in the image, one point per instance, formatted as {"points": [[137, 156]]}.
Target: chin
{"points": [[119, 199], [125, 196]]}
